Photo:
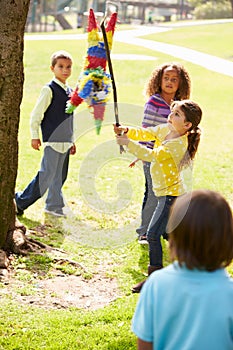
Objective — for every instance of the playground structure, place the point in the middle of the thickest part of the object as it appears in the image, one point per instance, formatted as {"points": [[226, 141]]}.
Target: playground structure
{"points": [[50, 15], [149, 11], [47, 15]]}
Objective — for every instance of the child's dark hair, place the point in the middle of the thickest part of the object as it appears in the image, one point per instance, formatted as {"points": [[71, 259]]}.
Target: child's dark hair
{"points": [[193, 114], [60, 54], [154, 84], [200, 230]]}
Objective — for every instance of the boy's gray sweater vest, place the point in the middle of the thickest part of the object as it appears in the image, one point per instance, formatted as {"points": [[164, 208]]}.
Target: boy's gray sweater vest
{"points": [[57, 126]]}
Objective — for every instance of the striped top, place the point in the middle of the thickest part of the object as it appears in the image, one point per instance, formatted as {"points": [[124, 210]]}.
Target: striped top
{"points": [[156, 111]]}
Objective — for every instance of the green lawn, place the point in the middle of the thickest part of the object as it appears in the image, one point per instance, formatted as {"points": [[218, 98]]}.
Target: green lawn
{"points": [[214, 39], [104, 195]]}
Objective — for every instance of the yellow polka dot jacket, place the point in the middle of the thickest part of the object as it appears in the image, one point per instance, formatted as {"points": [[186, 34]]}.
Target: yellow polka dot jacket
{"points": [[165, 158]]}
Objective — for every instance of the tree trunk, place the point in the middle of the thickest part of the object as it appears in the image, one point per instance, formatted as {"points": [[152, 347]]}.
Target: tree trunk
{"points": [[13, 17]]}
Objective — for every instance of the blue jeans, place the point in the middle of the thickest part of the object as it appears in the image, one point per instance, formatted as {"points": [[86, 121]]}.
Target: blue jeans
{"points": [[157, 228], [149, 201], [51, 177]]}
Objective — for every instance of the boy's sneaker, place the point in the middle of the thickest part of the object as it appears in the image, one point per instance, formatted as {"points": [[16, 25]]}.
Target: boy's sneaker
{"points": [[142, 239], [19, 212], [57, 212]]}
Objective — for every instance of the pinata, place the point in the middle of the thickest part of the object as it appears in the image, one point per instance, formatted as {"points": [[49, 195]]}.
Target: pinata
{"points": [[94, 84]]}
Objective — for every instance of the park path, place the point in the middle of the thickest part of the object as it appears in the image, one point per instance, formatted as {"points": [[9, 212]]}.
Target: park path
{"points": [[133, 37], [207, 61]]}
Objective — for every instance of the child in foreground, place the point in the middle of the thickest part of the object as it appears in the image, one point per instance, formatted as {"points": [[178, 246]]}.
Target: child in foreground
{"points": [[176, 145], [189, 304]]}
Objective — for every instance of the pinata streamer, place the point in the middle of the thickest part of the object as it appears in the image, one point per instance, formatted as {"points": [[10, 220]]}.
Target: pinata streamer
{"points": [[105, 38], [94, 84]]}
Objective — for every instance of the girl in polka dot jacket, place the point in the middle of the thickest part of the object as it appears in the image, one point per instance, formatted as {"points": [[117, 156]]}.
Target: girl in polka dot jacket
{"points": [[176, 144]]}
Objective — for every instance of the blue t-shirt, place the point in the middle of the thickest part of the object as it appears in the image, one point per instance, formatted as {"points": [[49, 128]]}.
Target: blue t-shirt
{"points": [[182, 309]]}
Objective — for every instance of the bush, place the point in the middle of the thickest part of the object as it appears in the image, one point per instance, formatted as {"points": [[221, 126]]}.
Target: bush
{"points": [[211, 10]]}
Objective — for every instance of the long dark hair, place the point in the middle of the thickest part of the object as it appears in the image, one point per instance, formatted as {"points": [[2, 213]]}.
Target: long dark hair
{"points": [[193, 114], [200, 228]]}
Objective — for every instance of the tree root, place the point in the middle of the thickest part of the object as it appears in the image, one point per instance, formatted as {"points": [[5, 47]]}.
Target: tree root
{"points": [[71, 262], [19, 243]]}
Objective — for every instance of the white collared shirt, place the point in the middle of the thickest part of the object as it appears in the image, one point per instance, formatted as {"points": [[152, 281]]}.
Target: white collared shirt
{"points": [[37, 115]]}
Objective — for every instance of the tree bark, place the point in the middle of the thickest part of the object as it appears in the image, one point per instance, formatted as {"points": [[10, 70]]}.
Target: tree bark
{"points": [[13, 17]]}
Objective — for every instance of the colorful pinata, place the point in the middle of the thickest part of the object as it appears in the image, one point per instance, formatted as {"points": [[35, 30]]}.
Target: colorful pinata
{"points": [[94, 84]]}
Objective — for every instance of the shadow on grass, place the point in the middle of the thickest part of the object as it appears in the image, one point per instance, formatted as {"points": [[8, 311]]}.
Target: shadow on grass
{"points": [[48, 256], [141, 273], [51, 232], [144, 257]]}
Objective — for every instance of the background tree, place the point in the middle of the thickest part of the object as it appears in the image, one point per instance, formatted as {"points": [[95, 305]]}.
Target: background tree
{"points": [[13, 17], [212, 8], [231, 2]]}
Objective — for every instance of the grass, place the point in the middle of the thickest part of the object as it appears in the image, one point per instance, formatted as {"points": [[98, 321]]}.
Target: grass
{"points": [[204, 38], [71, 329], [104, 195]]}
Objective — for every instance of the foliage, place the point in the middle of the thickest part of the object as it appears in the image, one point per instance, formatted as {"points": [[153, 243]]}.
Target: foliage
{"points": [[200, 2], [212, 9]]}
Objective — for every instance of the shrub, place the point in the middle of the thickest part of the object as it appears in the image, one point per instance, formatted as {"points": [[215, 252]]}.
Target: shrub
{"points": [[211, 10]]}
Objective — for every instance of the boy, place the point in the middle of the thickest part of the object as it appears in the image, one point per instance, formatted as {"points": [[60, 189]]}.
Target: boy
{"points": [[57, 134]]}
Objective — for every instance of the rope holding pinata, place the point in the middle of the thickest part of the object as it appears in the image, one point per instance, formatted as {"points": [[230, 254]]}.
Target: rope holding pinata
{"points": [[94, 84]]}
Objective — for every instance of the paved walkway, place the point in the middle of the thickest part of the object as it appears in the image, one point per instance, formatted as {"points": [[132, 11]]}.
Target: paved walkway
{"points": [[209, 62]]}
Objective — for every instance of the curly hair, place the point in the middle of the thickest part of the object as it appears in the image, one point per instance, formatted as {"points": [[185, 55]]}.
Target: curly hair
{"points": [[153, 86]]}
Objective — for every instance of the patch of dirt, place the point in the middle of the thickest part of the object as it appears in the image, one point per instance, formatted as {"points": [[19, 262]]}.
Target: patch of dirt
{"points": [[64, 291], [58, 290]]}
